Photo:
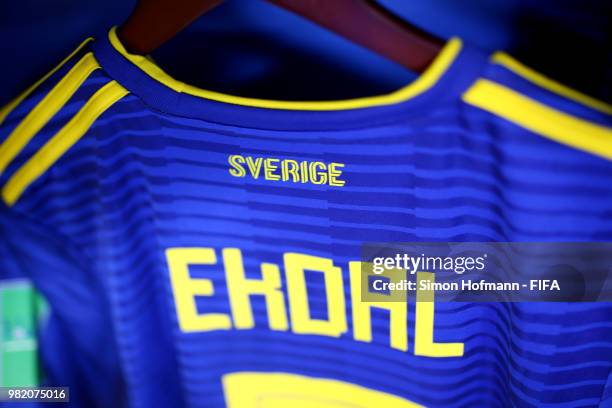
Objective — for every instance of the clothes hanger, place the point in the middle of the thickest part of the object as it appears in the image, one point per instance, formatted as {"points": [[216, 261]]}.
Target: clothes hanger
{"points": [[364, 22]]}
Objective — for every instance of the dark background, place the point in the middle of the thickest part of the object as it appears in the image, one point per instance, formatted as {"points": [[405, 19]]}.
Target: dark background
{"points": [[252, 48]]}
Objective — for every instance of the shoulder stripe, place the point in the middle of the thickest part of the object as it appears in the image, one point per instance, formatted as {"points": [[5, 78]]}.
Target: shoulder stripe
{"points": [[8, 108], [535, 77], [46, 109], [539, 118], [65, 138]]}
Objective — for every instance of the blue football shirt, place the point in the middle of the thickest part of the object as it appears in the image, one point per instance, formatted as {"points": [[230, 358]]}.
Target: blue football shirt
{"points": [[200, 249]]}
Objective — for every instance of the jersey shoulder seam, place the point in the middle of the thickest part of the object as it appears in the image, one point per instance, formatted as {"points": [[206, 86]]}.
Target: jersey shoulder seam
{"points": [[508, 62], [539, 118]]}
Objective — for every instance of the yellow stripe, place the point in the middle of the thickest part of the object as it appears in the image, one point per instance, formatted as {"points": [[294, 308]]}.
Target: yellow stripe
{"points": [[8, 108], [507, 61], [46, 108], [541, 119], [65, 138], [420, 85]]}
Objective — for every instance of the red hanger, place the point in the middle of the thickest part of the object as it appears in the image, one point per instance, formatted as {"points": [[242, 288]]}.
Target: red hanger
{"points": [[365, 22]]}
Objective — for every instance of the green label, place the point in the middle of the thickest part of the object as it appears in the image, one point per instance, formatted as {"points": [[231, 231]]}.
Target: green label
{"points": [[19, 305]]}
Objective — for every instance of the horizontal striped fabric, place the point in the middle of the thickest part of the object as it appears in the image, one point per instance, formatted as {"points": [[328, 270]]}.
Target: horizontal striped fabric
{"points": [[106, 164]]}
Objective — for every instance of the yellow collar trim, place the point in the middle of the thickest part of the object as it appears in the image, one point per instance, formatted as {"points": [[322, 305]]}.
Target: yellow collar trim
{"points": [[424, 82]]}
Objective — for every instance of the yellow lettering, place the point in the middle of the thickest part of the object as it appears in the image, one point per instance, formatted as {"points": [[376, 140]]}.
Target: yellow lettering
{"points": [[269, 168], [275, 169], [290, 167], [318, 177], [186, 288], [236, 161], [362, 325], [304, 171], [301, 322], [334, 173], [254, 166], [240, 289], [424, 344]]}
